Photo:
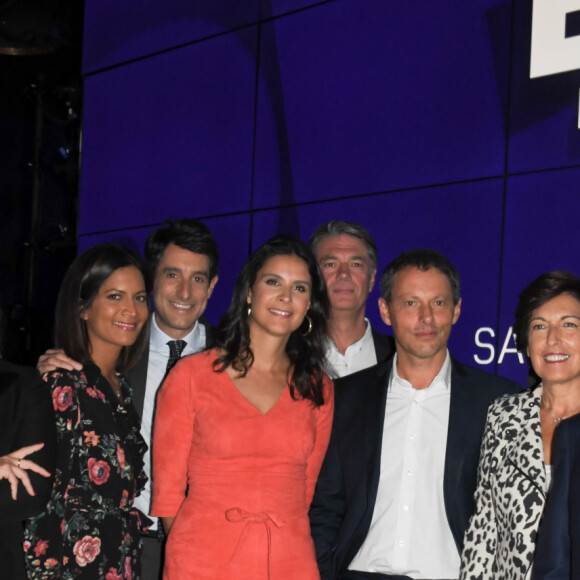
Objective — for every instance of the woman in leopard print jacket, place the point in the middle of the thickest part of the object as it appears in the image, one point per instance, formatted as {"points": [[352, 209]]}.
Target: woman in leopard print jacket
{"points": [[514, 467]]}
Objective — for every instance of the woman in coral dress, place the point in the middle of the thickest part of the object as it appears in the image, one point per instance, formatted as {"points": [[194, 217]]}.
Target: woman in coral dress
{"points": [[241, 431], [89, 528]]}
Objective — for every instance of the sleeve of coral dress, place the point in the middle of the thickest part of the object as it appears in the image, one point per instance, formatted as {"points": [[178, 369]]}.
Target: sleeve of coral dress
{"points": [[323, 428], [172, 436]]}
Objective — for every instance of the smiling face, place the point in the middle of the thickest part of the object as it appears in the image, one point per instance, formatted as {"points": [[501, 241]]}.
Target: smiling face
{"points": [[345, 264], [421, 313], [554, 340], [118, 312], [181, 290], [280, 296]]}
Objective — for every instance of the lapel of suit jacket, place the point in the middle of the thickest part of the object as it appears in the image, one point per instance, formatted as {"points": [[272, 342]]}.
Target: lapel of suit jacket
{"points": [[374, 422], [137, 379], [461, 439], [522, 451]]}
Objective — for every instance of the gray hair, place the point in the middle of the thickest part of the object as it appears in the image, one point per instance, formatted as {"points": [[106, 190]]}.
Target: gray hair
{"points": [[342, 228]]}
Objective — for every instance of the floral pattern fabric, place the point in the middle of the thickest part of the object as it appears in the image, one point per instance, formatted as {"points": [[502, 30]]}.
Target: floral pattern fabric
{"points": [[89, 528]]}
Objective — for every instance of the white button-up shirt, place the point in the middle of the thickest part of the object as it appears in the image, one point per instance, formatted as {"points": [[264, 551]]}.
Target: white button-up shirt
{"points": [[358, 356], [409, 532]]}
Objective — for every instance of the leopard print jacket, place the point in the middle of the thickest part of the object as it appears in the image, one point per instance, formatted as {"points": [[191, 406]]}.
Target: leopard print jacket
{"points": [[511, 491]]}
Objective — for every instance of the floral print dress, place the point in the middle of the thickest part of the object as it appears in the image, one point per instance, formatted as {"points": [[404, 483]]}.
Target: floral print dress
{"points": [[90, 528]]}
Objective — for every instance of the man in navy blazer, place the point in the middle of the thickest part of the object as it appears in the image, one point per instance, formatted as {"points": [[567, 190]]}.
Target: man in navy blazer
{"points": [[558, 550], [395, 493]]}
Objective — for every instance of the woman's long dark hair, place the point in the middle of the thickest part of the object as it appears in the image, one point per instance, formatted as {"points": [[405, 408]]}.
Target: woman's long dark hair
{"points": [[79, 288], [306, 351]]}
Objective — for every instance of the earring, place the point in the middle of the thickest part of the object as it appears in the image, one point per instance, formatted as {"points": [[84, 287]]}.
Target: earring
{"points": [[309, 326], [249, 310]]}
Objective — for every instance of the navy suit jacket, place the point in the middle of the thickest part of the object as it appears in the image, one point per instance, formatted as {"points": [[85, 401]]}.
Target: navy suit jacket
{"points": [[558, 549], [137, 377], [343, 504], [384, 345]]}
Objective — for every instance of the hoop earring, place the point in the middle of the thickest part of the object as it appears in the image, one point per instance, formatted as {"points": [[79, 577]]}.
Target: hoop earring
{"points": [[249, 310], [309, 326]]}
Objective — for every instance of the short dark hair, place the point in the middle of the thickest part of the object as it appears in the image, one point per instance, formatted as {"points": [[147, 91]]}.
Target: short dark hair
{"points": [[306, 350], [422, 260], [80, 286], [187, 233], [536, 294], [342, 228]]}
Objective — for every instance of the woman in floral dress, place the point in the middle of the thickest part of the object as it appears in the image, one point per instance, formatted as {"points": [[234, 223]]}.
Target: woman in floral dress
{"points": [[89, 528]]}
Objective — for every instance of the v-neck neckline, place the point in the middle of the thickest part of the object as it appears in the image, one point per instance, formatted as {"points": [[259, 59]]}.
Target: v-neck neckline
{"points": [[249, 403]]}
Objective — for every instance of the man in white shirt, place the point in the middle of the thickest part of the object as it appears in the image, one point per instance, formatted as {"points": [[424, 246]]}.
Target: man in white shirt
{"points": [[347, 256], [183, 256], [395, 492]]}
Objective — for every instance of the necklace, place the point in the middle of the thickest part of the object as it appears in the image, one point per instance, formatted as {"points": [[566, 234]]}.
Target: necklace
{"points": [[557, 420]]}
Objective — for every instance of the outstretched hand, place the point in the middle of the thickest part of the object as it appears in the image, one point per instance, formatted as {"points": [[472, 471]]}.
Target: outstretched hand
{"points": [[55, 358], [13, 467]]}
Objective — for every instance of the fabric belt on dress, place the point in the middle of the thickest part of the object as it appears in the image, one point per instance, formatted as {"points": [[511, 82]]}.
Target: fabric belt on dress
{"points": [[238, 515]]}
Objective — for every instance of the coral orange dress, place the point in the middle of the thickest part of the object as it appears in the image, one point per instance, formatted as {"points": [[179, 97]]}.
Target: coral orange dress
{"points": [[239, 482]]}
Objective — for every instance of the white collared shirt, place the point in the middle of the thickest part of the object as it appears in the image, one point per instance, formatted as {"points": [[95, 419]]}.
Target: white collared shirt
{"points": [[358, 356], [409, 532], [156, 367]]}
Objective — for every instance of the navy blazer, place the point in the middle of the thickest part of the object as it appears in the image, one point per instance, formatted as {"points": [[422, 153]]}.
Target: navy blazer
{"points": [[343, 504], [558, 549], [26, 417], [384, 345], [137, 377]]}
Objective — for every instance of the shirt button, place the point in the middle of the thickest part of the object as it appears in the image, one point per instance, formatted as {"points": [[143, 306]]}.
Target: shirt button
{"points": [[405, 508], [412, 436], [409, 473], [401, 543]]}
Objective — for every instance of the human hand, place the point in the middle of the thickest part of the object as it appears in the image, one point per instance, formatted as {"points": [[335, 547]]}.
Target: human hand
{"points": [[13, 468], [55, 358]]}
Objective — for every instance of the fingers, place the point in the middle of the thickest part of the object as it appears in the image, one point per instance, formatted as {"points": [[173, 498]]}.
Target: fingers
{"points": [[31, 466], [22, 463], [25, 451], [23, 476], [12, 473], [56, 358]]}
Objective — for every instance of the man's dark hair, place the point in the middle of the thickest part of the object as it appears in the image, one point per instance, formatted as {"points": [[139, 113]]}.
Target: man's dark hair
{"points": [[342, 228], [79, 288], [536, 294], [187, 233], [422, 260]]}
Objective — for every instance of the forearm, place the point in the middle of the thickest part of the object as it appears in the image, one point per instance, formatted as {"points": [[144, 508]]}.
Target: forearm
{"points": [[167, 523]]}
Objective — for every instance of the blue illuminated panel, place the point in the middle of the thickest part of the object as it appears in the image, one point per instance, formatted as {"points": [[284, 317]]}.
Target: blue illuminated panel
{"points": [[168, 136], [116, 32]]}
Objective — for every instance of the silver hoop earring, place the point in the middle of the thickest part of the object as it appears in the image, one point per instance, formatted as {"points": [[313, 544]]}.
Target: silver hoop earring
{"points": [[309, 326]]}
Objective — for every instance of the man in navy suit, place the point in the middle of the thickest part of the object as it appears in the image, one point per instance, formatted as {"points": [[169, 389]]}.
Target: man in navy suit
{"points": [[347, 256], [183, 257], [558, 550], [395, 492]]}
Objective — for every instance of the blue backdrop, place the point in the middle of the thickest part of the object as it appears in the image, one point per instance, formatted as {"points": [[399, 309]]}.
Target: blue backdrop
{"points": [[416, 119]]}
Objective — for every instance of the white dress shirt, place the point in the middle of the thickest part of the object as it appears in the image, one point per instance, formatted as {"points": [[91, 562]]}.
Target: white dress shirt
{"points": [[358, 356], [156, 367], [409, 532]]}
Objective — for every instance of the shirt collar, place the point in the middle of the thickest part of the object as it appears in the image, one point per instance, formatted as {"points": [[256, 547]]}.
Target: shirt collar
{"points": [[159, 339], [443, 377], [362, 342]]}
